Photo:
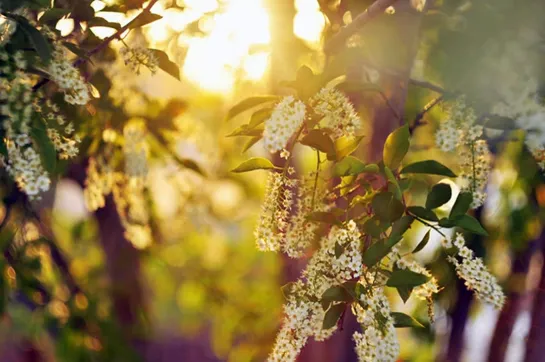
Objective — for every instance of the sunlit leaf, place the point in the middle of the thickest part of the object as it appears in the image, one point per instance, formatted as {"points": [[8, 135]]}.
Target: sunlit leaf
{"points": [[345, 145], [320, 141], [402, 320], [255, 163], [166, 64], [249, 103], [350, 166], [396, 147], [145, 18]]}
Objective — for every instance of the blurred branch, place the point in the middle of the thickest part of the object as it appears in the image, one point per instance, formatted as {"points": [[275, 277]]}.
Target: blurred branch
{"points": [[339, 38], [103, 44], [418, 119]]}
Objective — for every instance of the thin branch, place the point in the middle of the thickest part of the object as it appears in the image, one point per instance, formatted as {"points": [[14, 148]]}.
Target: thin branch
{"points": [[104, 44], [428, 107], [428, 85], [339, 38]]}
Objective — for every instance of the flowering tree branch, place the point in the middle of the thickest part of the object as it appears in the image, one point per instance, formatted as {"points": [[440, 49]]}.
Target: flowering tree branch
{"points": [[338, 40], [103, 44]]}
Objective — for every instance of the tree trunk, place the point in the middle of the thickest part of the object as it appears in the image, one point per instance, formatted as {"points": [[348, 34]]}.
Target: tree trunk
{"points": [[458, 318], [513, 305]]}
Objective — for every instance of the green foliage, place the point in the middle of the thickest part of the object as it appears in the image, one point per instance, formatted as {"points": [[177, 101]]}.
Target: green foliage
{"points": [[396, 147], [255, 163], [429, 167], [439, 195]]}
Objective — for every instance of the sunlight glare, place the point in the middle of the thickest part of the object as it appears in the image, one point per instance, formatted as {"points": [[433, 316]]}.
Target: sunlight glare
{"points": [[309, 22], [255, 65]]}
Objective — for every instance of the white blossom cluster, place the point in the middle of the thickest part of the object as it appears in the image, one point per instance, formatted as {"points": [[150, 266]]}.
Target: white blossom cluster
{"points": [[68, 78], [135, 57], [7, 28], [275, 210], [135, 150], [287, 117], [301, 232], [338, 112], [378, 341], [476, 275], [304, 314], [98, 184], [460, 133]]}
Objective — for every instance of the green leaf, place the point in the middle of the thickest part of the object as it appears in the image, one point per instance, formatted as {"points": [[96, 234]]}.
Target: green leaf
{"points": [[429, 167], [38, 41], [439, 195], [336, 294], [404, 292], [469, 223], [402, 225], [351, 166], [402, 320], [252, 141], [396, 147], [422, 244], [249, 103], [98, 21], [320, 141], [254, 163], [339, 250], [379, 250], [77, 50], [145, 18], [344, 146], [52, 16], [387, 207], [375, 227], [259, 116], [406, 277], [332, 315], [461, 205], [165, 64], [46, 147], [393, 182], [245, 130], [422, 213]]}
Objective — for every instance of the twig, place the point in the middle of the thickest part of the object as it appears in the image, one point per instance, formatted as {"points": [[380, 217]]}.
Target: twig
{"points": [[428, 85], [339, 38], [102, 45], [418, 119]]}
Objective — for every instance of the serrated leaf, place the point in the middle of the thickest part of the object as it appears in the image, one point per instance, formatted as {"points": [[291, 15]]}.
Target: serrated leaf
{"points": [[402, 320], [166, 64], [320, 141], [254, 163], [344, 146], [332, 316], [422, 244], [469, 223], [249, 103], [145, 18], [351, 166], [38, 41], [422, 213], [406, 277], [387, 207], [439, 195], [461, 205], [429, 167], [396, 147]]}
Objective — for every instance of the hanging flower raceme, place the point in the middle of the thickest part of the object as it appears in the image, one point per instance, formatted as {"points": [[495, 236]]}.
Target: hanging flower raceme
{"points": [[136, 57], [338, 112], [287, 117], [476, 275], [68, 78]]}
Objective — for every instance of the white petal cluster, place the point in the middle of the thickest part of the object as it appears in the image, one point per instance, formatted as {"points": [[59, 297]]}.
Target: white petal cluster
{"points": [[136, 57], [378, 342], [7, 28], [338, 112], [274, 218], [304, 314], [460, 133], [301, 232], [98, 184], [287, 117], [68, 78], [476, 275]]}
